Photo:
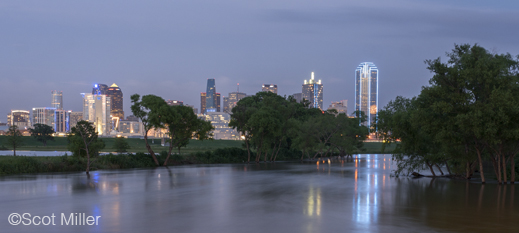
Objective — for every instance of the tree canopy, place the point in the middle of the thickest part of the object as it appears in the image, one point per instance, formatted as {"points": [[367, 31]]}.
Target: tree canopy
{"points": [[42, 133]]}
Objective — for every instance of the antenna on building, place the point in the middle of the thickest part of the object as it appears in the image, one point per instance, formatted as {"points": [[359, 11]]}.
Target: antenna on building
{"points": [[238, 87]]}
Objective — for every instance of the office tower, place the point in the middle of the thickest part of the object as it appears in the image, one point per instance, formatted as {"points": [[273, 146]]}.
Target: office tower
{"points": [[226, 105], [298, 97], [175, 103], [20, 118], [132, 118], [211, 96], [203, 102], [232, 100], [96, 109], [366, 91], [218, 102], [313, 92], [340, 106], [220, 122], [116, 98], [57, 100], [99, 89], [44, 116], [270, 87], [74, 118], [61, 121]]}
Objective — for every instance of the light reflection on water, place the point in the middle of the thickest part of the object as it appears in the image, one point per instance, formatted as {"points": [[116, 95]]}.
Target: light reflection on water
{"points": [[351, 195]]}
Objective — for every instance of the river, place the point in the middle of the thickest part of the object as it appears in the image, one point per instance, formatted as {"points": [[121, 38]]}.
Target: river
{"points": [[340, 196]]}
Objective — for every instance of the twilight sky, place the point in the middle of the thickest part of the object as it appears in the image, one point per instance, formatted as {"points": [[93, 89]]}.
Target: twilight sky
{"points": [[170, 48]]}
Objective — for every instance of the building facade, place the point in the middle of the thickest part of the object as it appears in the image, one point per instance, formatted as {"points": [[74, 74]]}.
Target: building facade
{"points": [[313, 92], [116, 98], [211, 96], [96, 109], [270, 87], [61, 121], [340, 106], [298, 97], [232, 100], [366, 91], [57, 100], [20, 118], [44, 116], [203, 102], [74, 118], [220, 122]]}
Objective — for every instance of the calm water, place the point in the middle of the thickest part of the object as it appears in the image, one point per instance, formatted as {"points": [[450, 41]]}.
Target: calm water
{"points": [[358, 196]]}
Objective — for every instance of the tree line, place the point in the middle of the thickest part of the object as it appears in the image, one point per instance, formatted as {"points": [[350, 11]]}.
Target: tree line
{"points": [[467, 116], [268, 122]]}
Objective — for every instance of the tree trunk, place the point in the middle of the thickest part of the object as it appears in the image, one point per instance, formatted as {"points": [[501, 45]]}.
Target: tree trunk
{"points": [[480, 166], [302, 154], [169, 152], [277, 151], [447, 166], [273, 151], [248, 150], [430, 167], [14, 150], [88, 156], [148, 147], [498, 169], [439, 168], [512, 164], [503, 161]]}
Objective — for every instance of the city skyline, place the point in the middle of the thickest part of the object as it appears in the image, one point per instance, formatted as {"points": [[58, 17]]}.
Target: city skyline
{"points": [[69, 46]]}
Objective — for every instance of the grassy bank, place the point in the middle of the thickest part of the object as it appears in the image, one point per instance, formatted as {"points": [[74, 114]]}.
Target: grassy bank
{"points": [[137, 145]]}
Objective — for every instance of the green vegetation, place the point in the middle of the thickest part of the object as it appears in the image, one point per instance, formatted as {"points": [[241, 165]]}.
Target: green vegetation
{"points": [[83, 142], [14, 138], [121, 145], [467, 116], [42, 133]]}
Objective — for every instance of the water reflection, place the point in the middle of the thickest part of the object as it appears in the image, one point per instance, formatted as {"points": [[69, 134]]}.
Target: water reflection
{"points": [[354, 195]]}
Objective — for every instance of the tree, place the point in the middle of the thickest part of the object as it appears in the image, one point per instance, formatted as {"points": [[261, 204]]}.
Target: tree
{"points": [[83, 141], [14, 138], [149, 110], [350, 135], [121, 145], [42, 133], [183, 124]]}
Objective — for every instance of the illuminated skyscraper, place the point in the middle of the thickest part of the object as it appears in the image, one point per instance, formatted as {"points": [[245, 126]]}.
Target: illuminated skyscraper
{"points": [[270, 87], [203, 102], [57, 100], [218, 102], [116, 98], [366, 91], [20, 118], [231, 100], [44, 116], [313, 92], [211, 101], [96, 109]]}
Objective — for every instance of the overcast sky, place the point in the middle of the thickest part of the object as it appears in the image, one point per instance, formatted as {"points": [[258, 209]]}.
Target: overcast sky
{"points": [[170, 48]]}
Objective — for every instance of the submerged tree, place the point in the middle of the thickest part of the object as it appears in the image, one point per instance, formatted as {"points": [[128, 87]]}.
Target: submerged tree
{"points": [[149, 110], [42, 133], [83, 141]]}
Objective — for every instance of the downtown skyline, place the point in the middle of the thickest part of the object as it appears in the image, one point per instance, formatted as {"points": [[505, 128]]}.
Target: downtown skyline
{"points": [[171, 49]]}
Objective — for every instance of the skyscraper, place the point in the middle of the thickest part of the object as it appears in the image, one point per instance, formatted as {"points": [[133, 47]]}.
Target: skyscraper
{"points": [[99, 89], [298, 97], [270, 87], [203, 102], [116, 98], [211, 96], [96, 109], [218, 102], [232, 99], [44, 116], [340, 106], [57, 100], [313, 92], [366, 91]]}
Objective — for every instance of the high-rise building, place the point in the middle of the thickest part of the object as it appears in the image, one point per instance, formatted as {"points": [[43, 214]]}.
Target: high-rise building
{"points": [[44, 116], [116, 98], [20, 118], [203, 102], [99, 89], [211, 101], [220, 122], [340, 106], [366, 91], [270, 87], [218, 102], [298, 97], [232, 100], [313, 92], [74, 118], [57, 100], [61, 121], [96, 109]]}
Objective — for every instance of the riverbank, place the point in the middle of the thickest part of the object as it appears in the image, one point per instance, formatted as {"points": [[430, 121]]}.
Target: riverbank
{"points": [[138, 145]]}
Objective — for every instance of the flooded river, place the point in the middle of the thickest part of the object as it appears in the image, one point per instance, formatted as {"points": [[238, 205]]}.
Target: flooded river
{"points": [[353, 196]]}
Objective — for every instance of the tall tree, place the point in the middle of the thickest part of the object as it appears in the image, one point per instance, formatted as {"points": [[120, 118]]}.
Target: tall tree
{"points": [[42, 133], [149, 110], [84, 139], [182, 125], [14, 138]]}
